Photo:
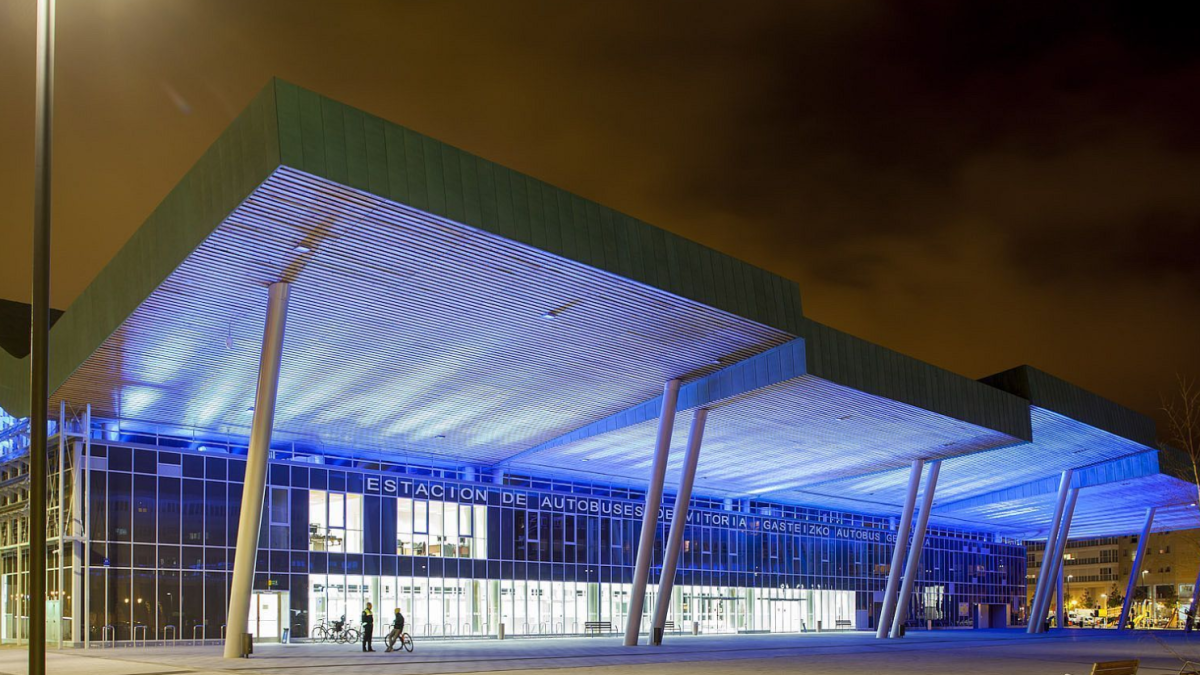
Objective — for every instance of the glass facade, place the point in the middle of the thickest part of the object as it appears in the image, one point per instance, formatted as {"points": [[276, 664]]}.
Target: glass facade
{"points": [[461, 551]]}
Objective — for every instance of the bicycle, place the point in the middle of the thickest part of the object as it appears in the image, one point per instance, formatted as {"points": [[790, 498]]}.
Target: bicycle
{"points": [[339, 632], [405, 641], [349, 634], [322, 632]]}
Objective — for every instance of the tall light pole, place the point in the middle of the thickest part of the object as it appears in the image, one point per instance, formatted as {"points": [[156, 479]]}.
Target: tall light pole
{"points": [[1146, 583], [39, 338]]}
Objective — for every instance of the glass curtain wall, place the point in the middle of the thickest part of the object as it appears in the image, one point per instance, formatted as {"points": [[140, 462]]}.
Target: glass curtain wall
{"points": [[462, 557]]}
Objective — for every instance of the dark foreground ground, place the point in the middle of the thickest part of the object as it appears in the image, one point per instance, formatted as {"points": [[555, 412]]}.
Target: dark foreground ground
{"points": [[987, 652]]}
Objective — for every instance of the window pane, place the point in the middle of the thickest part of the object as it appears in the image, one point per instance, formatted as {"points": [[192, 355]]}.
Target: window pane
{"points": [[480, 532], [318, 532], [450, 548], [354, 518], [421, 516], [316, 508], [354, 512], [337, 509], [404, 515], [279, 506], [464, 520], [437, 536]]}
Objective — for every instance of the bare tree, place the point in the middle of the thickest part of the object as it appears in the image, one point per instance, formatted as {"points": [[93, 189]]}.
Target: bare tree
{"points": [[1183, 424], [1183, 435]]}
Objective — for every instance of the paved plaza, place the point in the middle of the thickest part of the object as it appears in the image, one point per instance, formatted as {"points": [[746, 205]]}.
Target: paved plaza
{"points": [[985, 652]]}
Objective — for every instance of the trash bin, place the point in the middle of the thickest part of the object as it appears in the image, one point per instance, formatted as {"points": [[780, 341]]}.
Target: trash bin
{"points": [[247, 644], [695, 628], [500, 632], [656, 636]]}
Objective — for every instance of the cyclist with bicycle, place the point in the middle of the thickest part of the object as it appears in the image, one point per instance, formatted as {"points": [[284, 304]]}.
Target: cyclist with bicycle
{"points": [[397, 630]]}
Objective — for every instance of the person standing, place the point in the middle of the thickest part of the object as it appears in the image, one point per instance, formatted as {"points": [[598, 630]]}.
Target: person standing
{"points": [[368, 628]]}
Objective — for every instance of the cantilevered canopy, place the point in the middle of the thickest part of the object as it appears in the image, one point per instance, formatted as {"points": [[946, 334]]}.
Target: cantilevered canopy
{"points": [[1113, 498], [444, 308], [406, 333], [772, 429], [1012, 488]]}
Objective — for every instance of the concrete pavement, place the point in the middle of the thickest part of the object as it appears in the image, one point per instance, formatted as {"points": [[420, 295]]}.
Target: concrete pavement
{"points": [[988, 652]]}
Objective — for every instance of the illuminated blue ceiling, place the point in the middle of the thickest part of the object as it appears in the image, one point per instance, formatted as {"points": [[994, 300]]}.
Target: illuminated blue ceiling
{"points": [[1113, 497], [1058, 443], [406, 333], [769, 440]]}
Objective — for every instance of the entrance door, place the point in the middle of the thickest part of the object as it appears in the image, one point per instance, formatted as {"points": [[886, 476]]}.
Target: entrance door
{"points": [[786, 614], [266, 620]]}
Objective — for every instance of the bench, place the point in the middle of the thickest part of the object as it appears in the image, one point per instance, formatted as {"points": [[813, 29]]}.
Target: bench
{"points": [[669, 627], [843, 624], [1115, 667], [596, 627]]}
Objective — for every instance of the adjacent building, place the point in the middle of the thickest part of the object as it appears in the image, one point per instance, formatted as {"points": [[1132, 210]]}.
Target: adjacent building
{"points": [[1096, 575]]}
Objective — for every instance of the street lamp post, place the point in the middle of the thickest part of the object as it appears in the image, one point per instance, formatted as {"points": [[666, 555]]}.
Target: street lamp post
{"points": [[39, 338], [1146, 584]]}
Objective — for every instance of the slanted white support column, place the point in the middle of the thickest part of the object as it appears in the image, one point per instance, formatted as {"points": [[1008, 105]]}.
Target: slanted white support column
{"points": [[893, 581], [1135, 571], [666, 582], [1043, 580], [658, 470], [255, 482], [1054, 558], [918, 545]]}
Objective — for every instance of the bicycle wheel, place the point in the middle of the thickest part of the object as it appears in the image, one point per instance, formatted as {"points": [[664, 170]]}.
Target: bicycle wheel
{"points": [[352, 635], [406, 642], [319, 634], [340, 636]]}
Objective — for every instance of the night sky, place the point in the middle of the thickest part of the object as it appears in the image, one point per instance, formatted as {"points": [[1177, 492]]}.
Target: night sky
{"points": [[977, 184]]}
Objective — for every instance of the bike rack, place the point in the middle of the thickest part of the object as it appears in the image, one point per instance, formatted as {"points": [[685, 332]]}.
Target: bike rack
{"points": [[447, 629], [223, 631], [198, 627], [466, 629], [135, 633], [105, 632]]}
